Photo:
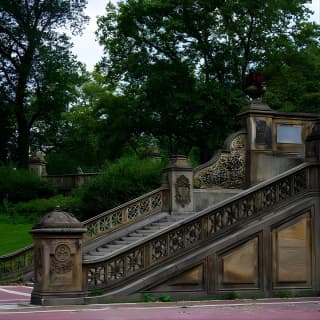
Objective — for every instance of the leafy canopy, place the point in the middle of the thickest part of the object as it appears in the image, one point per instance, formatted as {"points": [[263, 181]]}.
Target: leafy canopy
{"points": [[37, 71]]}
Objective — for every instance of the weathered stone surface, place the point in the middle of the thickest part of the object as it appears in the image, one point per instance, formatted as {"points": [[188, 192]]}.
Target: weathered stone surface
{"points": [[58, 259]]}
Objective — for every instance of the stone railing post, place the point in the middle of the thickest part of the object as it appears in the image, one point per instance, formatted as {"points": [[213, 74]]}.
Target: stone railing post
{"points": [[58, 260], [38, 165], [313, 155], [178, 176]]}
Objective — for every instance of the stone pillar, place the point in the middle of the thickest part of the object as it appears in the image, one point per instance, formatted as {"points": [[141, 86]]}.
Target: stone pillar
{"points": [[178, 174], [58, 260], [37, 164], [313, 144]]}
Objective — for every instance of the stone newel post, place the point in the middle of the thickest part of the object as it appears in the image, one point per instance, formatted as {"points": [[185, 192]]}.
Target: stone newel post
{"points": [[58, 260], [179, 175]]}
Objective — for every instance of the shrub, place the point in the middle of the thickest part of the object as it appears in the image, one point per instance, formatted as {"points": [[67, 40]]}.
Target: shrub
{"points": [[122, 181], [23, 185], [60, 163], [31, 211]]}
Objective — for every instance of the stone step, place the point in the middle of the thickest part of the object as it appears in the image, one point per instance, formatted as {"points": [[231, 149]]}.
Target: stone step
{"points": [[132, 238], [135, 236], [110, 247], [123, 242]]}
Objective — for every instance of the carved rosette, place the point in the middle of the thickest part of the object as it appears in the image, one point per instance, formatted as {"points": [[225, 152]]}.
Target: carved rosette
{"points": [[182, 187], [61, 261], [228, 170]]}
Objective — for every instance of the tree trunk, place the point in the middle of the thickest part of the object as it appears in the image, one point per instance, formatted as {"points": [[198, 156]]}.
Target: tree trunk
{"points": [[23, 142]]}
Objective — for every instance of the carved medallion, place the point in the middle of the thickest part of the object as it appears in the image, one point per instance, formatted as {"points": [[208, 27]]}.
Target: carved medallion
{"points": [[183, 191], [61, 261]]}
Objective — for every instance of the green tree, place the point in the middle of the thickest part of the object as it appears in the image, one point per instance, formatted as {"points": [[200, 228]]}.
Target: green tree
{"points": [[98, 128], [37, 71], [294, 77], [184, 62]]}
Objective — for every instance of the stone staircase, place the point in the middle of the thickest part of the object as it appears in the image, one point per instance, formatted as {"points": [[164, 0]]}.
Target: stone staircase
{"points": [[117, 244]]}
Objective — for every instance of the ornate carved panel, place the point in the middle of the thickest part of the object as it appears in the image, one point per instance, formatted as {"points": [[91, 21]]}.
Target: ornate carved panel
{"points": [[182, 189], [228, 170], [96, 276], [159, 249], [240, 265], [292, 252], [116, 269], [134, 260]]}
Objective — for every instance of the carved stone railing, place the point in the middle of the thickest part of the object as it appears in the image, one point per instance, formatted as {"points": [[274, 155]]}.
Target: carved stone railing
{"points": [[209, 224], [129, 212], [227, 168], [15, 265]]}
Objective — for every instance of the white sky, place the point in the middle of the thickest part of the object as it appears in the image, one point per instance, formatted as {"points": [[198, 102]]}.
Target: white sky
{"points": [[89, 51]]}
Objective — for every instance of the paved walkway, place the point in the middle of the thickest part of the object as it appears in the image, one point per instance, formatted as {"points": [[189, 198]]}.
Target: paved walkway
{"points": [[14, 305]]}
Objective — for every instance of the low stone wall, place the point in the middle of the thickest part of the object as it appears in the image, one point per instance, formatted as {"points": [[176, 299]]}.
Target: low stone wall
{"points": [[204, 198], [66, 182]]}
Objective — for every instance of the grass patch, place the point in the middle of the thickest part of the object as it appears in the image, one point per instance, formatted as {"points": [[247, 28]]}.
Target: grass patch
{"points": [[14, 237]]}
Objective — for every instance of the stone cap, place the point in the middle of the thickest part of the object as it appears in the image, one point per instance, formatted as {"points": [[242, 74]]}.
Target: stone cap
{"points": [[58, 220], [256, 105], [178, 162]]}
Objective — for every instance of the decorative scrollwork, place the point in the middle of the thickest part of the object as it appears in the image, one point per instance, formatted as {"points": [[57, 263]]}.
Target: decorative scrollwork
{"points": [[182, 188], [156, 201], [96, 276], [133, 211], [193, 232], [299, 182], [116, 269], [144, 206], [159, 249], [116, 218], [284, 189], [176, 241], [105, 224], [247, 208], [269, 196], [134, 261], [228, 170]]}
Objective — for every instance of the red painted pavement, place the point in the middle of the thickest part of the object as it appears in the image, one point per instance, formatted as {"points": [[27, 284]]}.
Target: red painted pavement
{"points": [[14, 294], [271, 309]]}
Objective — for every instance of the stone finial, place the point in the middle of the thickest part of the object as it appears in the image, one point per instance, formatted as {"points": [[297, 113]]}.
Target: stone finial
{"points": [[58, 219]]}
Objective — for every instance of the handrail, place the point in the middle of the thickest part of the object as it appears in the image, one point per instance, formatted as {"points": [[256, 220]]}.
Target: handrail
{"points": [[15, 264], [209, 223]]}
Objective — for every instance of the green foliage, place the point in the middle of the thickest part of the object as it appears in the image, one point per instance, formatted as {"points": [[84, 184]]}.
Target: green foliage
{"points": [[39, 75], [182, 64], [61, 163], [294, 78], [31, 211], [230, 296], [149, 297], [22, 185], [127, 178], [283, 294], [165, 297]]}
